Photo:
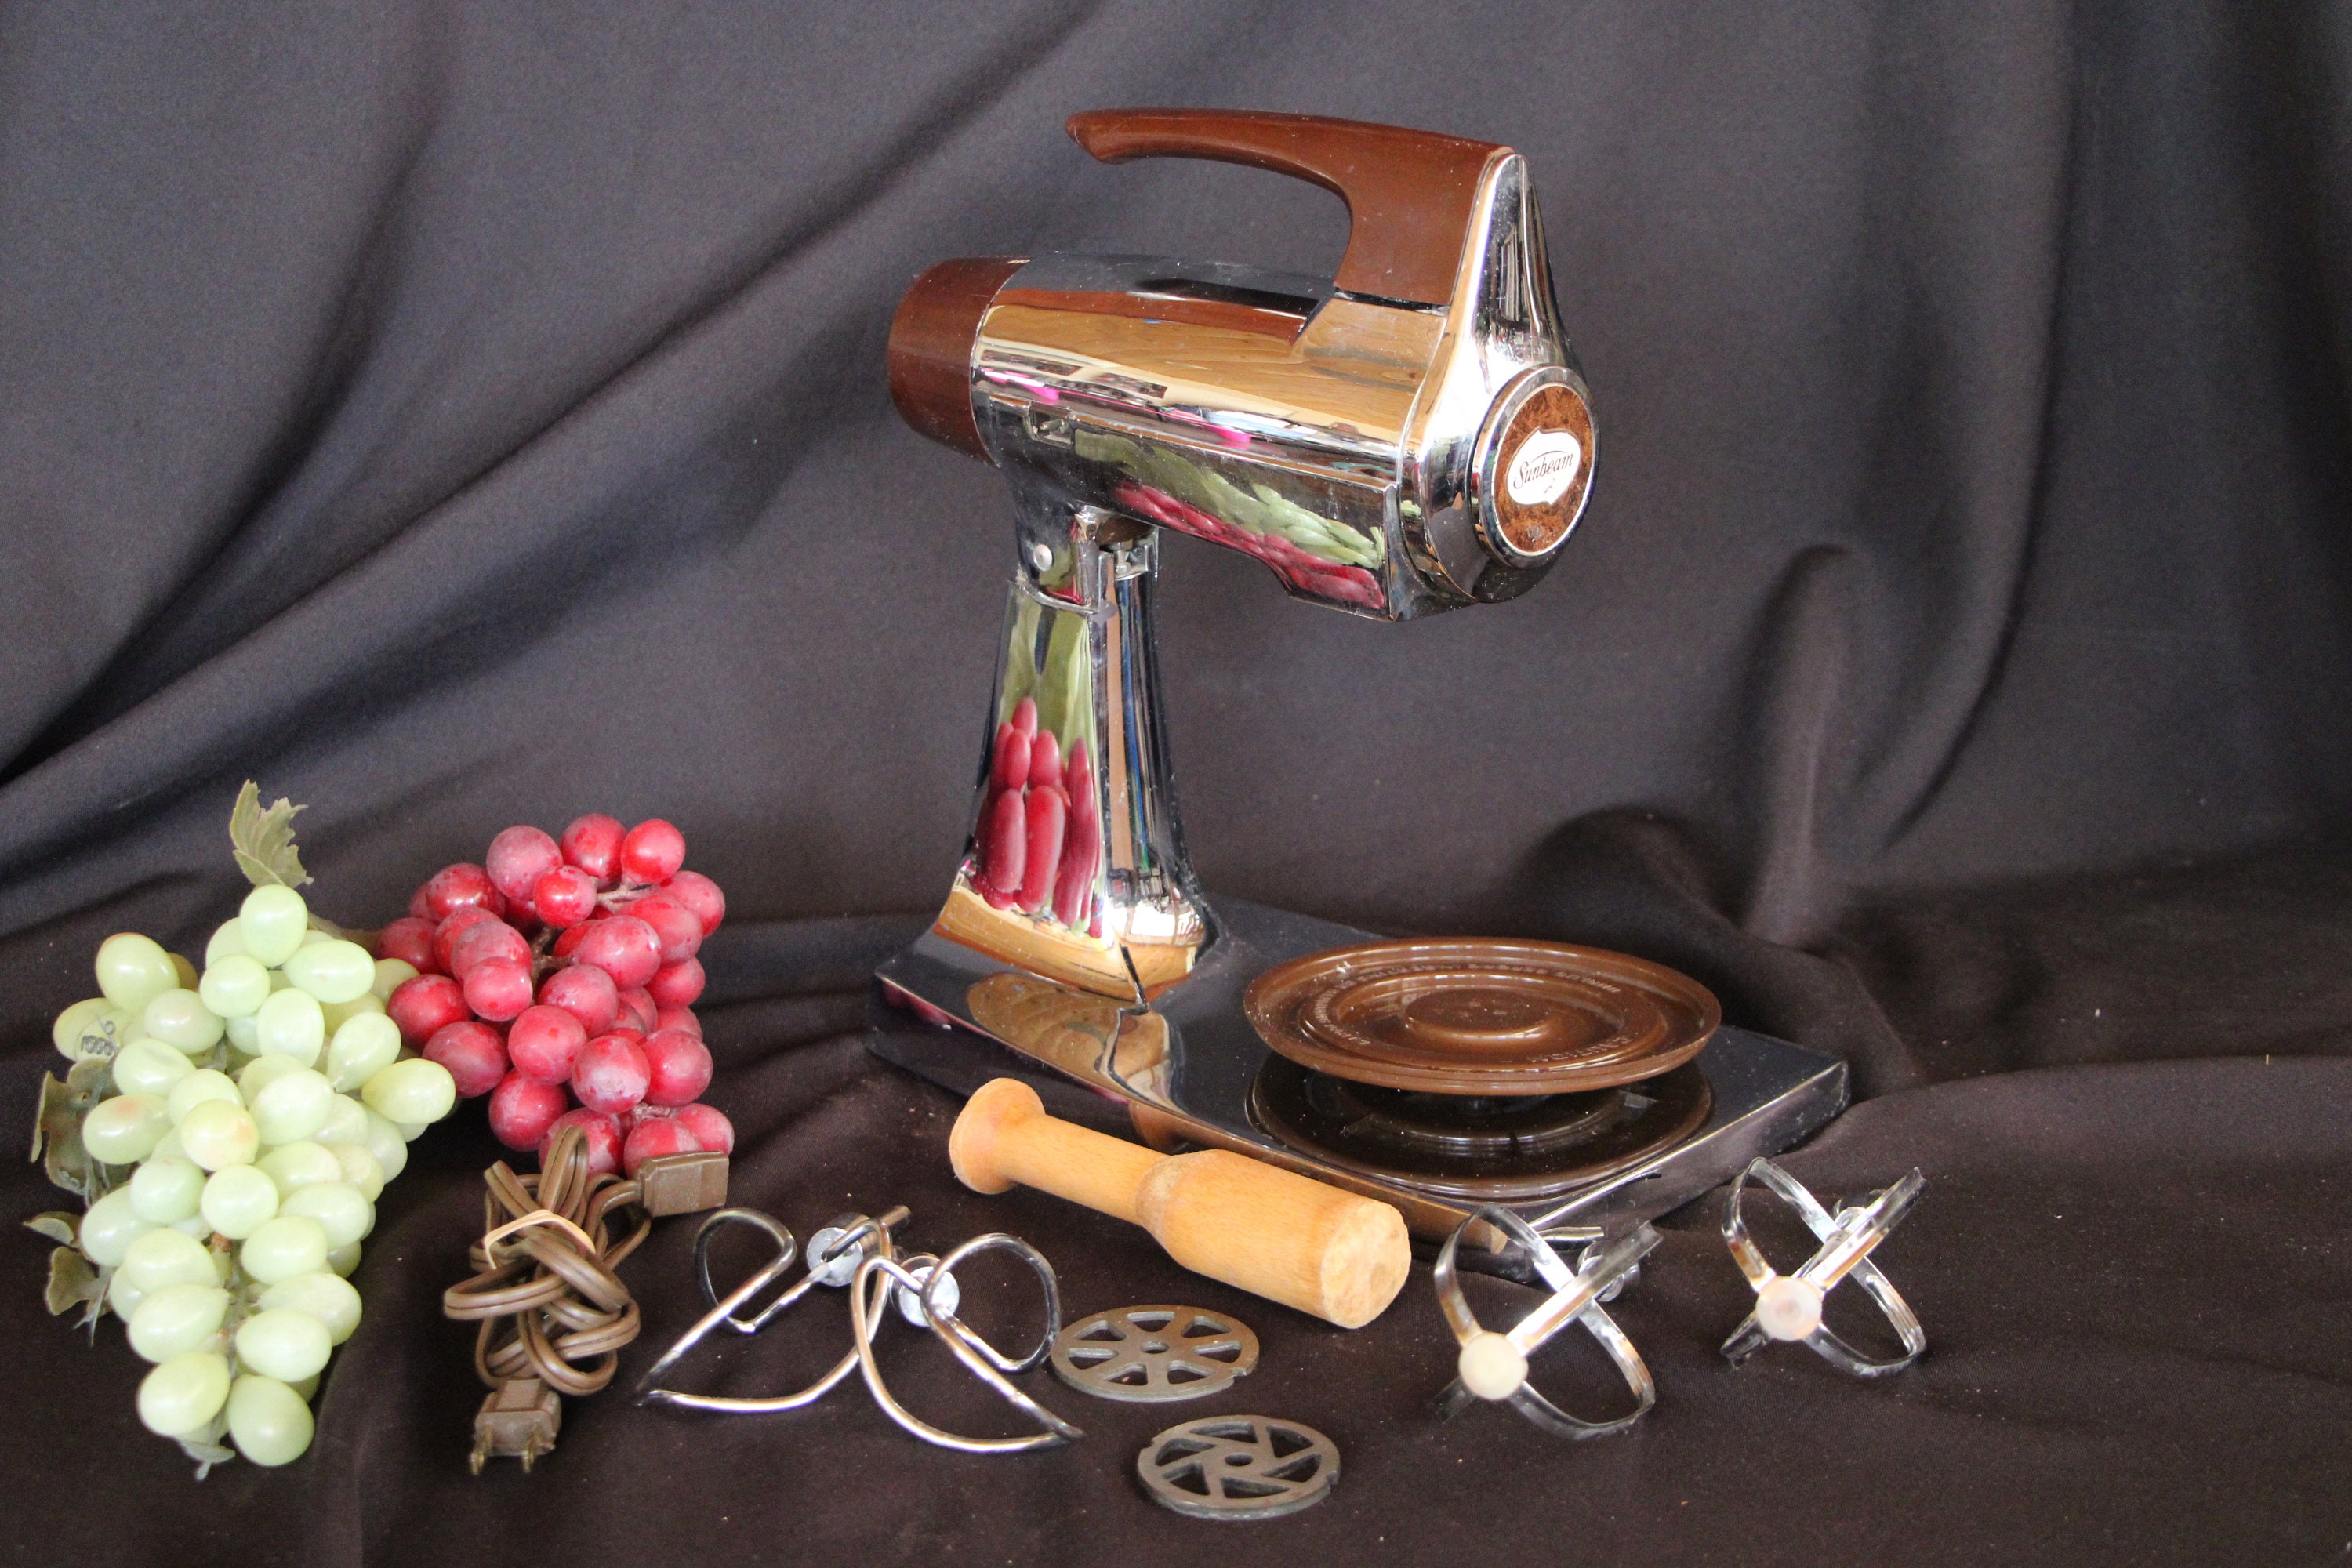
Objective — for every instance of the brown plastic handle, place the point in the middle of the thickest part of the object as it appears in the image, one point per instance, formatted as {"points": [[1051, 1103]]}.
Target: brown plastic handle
{"points": [[1412, 194]]}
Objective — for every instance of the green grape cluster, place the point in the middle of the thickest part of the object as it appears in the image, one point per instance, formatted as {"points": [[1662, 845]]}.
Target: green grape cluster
{"points": [[252, 1115]]}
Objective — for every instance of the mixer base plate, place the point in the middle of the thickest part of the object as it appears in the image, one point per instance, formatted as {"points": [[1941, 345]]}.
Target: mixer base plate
{"points": [[1183, 1070]]}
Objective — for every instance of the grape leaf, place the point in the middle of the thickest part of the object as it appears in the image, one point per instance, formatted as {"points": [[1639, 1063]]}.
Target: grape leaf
{"points": [[264, 840], [56, 1131], [74, 1283], [57, 1224]]}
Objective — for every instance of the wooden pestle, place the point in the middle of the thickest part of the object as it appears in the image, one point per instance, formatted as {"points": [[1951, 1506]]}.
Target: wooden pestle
{"points": [[1267, 1230]]}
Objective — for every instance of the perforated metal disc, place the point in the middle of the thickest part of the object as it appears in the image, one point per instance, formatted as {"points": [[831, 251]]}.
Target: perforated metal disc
{"points": [[1239, 1466], [1149, 1355]]}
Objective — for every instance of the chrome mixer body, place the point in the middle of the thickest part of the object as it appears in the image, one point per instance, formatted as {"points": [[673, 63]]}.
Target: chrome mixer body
{"points": [[1409, 437]]}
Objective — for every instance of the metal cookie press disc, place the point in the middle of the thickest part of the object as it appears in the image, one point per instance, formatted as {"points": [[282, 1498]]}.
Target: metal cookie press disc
{"points": [[1482, 1016], [1239, 1466], [1150, 1355]]}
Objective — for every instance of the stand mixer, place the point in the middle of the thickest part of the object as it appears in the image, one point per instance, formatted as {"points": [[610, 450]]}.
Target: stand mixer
{"points": [[1409, 437]]}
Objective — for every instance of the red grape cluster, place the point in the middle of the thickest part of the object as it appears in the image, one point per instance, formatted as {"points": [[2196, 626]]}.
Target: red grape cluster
{"points": [[556, 971], [1040, 824]]}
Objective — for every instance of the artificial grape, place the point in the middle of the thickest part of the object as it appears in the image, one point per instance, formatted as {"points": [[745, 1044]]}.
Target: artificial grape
{"points": [[592, 843], [179, 1018], [271, 923], [653, 851], [544, 1042], [1048, 816], [227, 941], [679, 1017], [1024, 718], [498, 989], [235, 985], [185, 971], [675, 986], [1005, 844], [363, 1047], [624, 947], [653, 1140], [391, 975], [410, 1132], [411, 1091], [293, 1106], [637, 1010], [176, 1320], [125, 1130], [359, 1168], [518, 859], [335, 1014], [586, 993], [110, 1228], [270, 1424], [219, 1133], [710, 1126], [1046, 759], [1008, 767], [454, 887], [237, 1199], [482, 941], [474, 1056], [150, 1067], [384, 1141], [195, 1227], [409, 939], [611, 1074], [568, 942], [456, 924], [426, 1003], [342, 1260], [522, 1109], [676, 927], [120, 1298], [291, 1024], [347, 1122], [523, 916], [332, 970], [323, 1296], [260, 1073], [677, 1067], [166, 1257], [202, 1084], [243, 1035], [168, 1147], [282, 1248], [418, 910], [165, 1191], [342, 1211], [85, 1017], [184, 1393], [701, 895], [599, 1131], [283, 1344], [297, 1164], [133, 970], [564, 897]]}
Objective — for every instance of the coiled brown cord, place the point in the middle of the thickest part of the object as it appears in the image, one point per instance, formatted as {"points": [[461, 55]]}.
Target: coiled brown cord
{"points": [[546, 1261]]}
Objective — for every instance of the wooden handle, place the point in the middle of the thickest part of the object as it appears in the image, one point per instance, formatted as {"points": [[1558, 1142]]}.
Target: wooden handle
{"points": [[1265, 1230], [1411, 195]]}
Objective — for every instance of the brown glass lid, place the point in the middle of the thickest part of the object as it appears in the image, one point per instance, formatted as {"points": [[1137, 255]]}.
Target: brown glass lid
{"points": [[1481, 1015]]}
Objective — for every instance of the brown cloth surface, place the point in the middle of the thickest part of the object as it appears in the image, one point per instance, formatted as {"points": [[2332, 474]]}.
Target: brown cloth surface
{"points": [[455, 415]]}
